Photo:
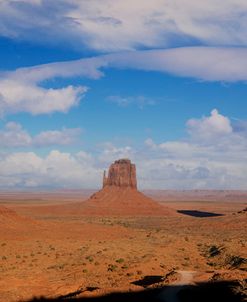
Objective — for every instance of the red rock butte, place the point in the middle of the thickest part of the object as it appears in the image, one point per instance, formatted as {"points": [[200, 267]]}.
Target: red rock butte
{"points": [[122, 173], [119, 194]]}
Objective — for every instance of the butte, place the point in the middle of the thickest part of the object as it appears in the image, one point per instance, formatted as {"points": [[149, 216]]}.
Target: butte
{"points": [[119, 195]]}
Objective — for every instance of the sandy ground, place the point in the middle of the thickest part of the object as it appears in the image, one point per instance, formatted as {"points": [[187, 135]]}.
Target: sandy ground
{"points": [[47, 247]]}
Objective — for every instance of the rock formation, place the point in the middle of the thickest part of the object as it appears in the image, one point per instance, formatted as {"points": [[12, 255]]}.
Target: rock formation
{"points": [[119, 195], [122, 173]]}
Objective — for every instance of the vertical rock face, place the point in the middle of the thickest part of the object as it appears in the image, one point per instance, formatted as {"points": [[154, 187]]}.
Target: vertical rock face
{"points": [[122, 173]]}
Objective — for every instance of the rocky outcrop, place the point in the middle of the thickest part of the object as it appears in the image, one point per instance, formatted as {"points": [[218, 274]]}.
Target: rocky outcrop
{"points": [[122, 173], [119, 195]]}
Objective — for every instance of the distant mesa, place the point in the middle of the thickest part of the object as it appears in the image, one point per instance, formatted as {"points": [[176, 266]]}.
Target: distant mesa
{"points": [[119, 194]]}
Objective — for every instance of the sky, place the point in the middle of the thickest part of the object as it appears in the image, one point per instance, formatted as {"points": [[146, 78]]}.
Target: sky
{"points": [[84, 83]]}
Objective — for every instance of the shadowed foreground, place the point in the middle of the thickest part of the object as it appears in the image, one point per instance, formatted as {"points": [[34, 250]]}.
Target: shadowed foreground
{"points": [[233, 291]]}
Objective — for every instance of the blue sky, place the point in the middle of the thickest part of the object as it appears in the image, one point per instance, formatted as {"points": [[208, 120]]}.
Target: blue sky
{"points": [[83, 83]]}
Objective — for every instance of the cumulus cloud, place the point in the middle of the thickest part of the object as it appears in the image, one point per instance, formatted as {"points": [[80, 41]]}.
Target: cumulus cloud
{"points": [[18, 96], [214, 126], [112, 25], [212, 156], [13, 135], [110, 152], [198, 161], [57, 169]]}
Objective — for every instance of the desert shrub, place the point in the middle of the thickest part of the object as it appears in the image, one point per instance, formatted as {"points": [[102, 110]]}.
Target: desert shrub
{"points": [[89, 258], [214, 251], [57, 266], [4, 258], [111, 267], [120, 260], [52, 248], [235, 261]]}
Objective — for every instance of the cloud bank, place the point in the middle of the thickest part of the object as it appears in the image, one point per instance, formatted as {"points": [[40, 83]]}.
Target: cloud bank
{"points": [[13, 135], [114, 25], [23, 90], [212, 156]]}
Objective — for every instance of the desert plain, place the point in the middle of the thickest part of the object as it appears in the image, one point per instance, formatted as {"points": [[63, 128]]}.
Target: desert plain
{"points": [[52, 246]]}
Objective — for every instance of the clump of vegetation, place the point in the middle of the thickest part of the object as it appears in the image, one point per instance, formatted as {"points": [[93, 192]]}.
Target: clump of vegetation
{"points": [[89, 258], [214, 251], [111, 267], [235, 261], [4, 258], [129, 274], [120, 260], [57, 266], [52, 248]]}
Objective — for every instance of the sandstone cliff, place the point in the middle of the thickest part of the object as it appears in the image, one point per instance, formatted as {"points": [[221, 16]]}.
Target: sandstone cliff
{"points": [[122, 173]]}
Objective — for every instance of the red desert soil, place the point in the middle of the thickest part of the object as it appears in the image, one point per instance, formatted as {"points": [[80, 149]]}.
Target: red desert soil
{"points": [[9, 218], [63, 252], [122, 201]]}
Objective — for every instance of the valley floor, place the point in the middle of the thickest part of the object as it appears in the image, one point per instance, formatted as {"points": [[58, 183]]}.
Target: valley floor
{"points": [[50, 250]]}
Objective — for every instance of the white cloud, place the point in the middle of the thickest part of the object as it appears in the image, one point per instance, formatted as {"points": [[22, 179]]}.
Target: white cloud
{"points": [[122, 25], [57, 137], [18, 96], [13, 135], [210, 127], [202, 63], [195, 162], [20, 90], [110, 152], [212, 156], [54, 170]]}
